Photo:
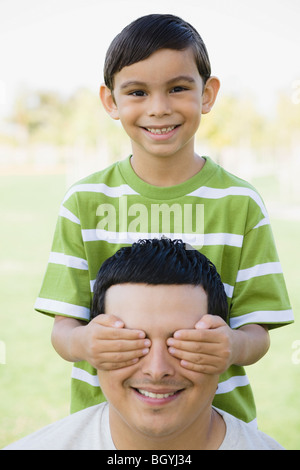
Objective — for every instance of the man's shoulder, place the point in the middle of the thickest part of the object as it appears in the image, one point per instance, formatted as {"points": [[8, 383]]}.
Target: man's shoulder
{"points": [[62, 434], [245, 436]]}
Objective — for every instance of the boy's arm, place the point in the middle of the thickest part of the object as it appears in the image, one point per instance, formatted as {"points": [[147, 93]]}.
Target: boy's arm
{"points": [[213, 346], [104, 342], [251, 343]]}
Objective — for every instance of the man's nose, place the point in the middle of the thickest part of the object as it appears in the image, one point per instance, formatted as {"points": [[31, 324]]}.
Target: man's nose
{"points": [[159, 105], [158, 363]]}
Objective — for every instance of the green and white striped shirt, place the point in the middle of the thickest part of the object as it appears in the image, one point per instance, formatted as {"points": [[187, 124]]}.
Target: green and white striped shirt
{"points": [[217, 213]]}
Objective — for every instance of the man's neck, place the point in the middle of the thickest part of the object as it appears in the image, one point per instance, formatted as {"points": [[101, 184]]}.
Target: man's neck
{"points": [[207, 433], [166, 171]]}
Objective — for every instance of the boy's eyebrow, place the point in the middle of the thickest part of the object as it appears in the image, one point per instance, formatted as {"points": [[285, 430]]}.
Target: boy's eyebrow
{"points": [[185, 78], [130, 83]]}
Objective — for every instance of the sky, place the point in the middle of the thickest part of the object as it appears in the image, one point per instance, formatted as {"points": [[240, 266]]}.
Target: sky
{"points": [[60, 45]]}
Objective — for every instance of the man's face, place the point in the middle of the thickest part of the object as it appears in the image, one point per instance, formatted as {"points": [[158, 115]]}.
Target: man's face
{"points": [[156, 399]]}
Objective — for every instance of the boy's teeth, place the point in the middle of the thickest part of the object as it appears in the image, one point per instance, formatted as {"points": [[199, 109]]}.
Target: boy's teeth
{"points": [[164, 130], [155, 395]]}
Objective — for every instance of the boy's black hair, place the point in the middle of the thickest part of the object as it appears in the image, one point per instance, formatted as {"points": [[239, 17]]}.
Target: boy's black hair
{"points": [[160, 261], [148, 34]]}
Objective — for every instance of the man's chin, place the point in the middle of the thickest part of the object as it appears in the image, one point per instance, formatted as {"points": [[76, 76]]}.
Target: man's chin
{"points": [[158, 428]]}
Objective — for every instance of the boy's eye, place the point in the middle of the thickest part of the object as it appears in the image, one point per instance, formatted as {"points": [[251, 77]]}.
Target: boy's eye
{"points": [[178, 89], [137, 93]]}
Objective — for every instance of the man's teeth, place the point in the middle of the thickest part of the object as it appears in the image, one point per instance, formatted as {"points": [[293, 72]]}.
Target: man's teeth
{"points": [[155, 395], [164, 130]]}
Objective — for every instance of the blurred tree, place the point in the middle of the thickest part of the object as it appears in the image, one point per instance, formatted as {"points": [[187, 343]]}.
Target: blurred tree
{"points": [[234, 121], [78, 119], [82, 119], [287, 121], [40, 113]]}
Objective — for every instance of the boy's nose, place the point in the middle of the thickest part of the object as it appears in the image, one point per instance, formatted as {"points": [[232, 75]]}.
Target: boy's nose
{"points": [[159, 106], [158, 363]]}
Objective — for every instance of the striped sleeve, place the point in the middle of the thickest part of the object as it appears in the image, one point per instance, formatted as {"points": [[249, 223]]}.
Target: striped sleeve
{"points": [[260, 295], [66, 287]]}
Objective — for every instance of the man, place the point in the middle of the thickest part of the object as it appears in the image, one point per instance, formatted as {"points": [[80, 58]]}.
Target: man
{"points": [[162, 288]]}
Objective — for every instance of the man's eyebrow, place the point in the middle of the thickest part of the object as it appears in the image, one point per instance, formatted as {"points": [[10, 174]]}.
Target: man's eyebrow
{"points": [[179, 78]]}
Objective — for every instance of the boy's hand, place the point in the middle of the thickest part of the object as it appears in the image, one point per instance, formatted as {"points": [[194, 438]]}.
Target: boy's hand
{"points": [[208, 348], [108, 345]]}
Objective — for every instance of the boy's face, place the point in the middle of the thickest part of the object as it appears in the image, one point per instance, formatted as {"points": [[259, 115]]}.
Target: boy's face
{"points": [[159, 101], [156, 399]]}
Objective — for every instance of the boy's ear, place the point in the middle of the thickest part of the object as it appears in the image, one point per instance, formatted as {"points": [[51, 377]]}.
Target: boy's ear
{"points": [[210, 93], [108, 102]]}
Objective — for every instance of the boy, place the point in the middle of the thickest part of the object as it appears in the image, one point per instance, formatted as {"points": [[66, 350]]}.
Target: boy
{"points": [[158, 83]]}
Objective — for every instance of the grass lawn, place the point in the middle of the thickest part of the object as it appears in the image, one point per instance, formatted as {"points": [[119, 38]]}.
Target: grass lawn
{"points": [[34, 381], [276, 378]]}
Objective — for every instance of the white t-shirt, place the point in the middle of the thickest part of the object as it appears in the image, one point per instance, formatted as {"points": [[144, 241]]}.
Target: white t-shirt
{"points": [[89, 430]]}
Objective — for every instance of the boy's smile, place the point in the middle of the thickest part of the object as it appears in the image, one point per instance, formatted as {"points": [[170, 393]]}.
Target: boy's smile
{"points": [[159, 102]]}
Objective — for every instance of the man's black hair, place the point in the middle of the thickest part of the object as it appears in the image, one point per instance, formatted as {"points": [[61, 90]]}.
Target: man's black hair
{"points": [[160, 261]]}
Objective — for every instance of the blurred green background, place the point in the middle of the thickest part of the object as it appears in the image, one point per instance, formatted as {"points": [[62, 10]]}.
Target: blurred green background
{"points": [[54, 131]]}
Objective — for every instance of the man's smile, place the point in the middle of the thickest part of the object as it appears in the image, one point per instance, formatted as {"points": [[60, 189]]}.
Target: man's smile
{"points": [[155, 395], [158, 397], [158, 392]]}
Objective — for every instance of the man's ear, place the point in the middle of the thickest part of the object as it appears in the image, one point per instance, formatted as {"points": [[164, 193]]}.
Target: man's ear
{"points": [[210, 93], [108, 101]]}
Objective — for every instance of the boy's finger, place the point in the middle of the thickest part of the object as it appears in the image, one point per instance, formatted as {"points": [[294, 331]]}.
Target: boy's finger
{"points": [[210, 322], [108, 320], [114, 323], [121, 346], [204, 363], [115, 360], [200, 368], [197, 335], [109, 333], [180, 348]]}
